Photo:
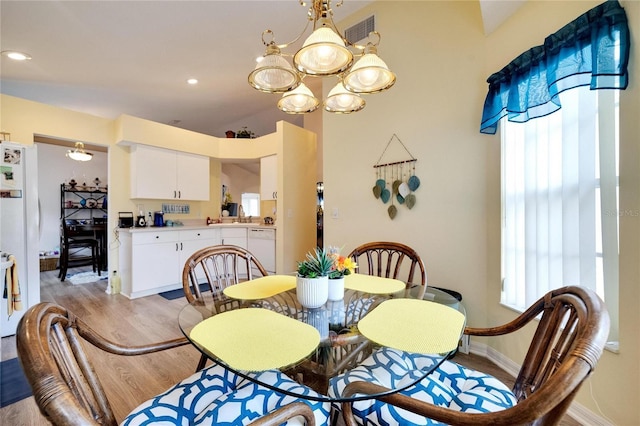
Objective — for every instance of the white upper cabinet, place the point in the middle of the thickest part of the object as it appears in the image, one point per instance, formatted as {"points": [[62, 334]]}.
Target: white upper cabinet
{"points": [[269, 177], [158, 173], [192, 177]]}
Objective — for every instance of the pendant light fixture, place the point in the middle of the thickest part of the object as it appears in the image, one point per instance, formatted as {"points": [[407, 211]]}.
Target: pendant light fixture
{"points": [[324, 53], [79, 154]]}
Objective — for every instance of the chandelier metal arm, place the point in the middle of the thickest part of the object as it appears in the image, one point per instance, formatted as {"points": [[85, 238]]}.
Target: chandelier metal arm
{"points": [[285, 45], [363, 47], [326, 52], [321, 12]]}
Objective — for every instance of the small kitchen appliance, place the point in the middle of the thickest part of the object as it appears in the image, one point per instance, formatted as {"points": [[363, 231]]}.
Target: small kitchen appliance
{"points": [[158, 219], [125, 219]]}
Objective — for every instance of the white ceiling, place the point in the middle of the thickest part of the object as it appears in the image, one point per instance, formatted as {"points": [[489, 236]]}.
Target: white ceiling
{"points": [[111, 57]]}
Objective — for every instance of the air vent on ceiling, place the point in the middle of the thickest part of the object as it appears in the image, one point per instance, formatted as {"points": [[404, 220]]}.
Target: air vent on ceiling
{"points": [[361, 30]]}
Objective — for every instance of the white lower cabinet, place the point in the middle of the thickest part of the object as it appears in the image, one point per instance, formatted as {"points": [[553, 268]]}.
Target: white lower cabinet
{"points": [[234, 236], [152, 261]]}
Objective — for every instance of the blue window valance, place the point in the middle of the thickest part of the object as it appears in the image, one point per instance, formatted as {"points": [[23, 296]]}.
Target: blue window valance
{"points": [[593, 50]]}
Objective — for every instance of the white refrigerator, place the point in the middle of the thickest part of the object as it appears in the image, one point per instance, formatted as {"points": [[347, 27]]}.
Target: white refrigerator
{"points": [[19, 227]]}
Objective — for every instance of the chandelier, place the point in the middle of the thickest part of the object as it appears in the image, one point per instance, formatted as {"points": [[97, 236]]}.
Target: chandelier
{"points": [[79, 154], [324, 53]]}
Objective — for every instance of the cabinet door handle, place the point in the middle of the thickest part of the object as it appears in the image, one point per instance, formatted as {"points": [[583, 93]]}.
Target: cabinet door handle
{"points": [[179, 194], [176, 246], [180, 246]]}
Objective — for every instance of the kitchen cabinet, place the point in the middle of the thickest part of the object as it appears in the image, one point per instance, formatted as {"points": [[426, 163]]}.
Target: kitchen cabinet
{"points": [[269, 177], [236, 236], [152, 260], [158, 173]]}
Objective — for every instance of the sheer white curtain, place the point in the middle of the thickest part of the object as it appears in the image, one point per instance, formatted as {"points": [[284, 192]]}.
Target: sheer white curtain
{"points": [[553, 203]]}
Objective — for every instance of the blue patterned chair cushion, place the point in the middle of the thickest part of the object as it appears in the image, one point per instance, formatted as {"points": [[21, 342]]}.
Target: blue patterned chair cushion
{"points": [[450, 385], [214, 396]]}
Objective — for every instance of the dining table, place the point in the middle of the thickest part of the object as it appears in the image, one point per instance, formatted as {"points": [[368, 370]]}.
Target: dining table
{"points": [[260, 324]]}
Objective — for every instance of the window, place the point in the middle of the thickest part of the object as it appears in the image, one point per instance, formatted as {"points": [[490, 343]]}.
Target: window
{"points": [[559, 201], [251, 204]]}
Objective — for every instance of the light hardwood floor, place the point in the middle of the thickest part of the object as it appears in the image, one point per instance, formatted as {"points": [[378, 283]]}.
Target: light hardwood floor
{"points": [[129, 381]]}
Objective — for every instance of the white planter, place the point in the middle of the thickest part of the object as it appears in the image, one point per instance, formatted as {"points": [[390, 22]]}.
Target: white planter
{"points": [[312, 292], [336, 288]]}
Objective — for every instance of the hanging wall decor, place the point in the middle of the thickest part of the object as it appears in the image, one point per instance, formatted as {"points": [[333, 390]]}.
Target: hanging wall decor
{"points": [[396, 181]]}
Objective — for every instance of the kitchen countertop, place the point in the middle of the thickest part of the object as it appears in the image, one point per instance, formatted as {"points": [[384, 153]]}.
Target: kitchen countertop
{"points": [[193, 227]]}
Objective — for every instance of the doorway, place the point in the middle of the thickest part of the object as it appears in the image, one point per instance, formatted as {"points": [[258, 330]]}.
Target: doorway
{"points": [[56, 169]]}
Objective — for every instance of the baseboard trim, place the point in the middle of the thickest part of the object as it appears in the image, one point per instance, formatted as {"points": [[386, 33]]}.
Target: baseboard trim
{"points": [[576, 411]]}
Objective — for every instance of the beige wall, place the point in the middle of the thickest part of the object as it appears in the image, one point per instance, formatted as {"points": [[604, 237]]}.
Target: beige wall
{"points": [[296, 195], [436, 50], [442, 60]]}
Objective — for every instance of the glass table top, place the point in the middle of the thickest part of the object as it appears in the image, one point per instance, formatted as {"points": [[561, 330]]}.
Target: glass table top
{"points": [[338, 347]]}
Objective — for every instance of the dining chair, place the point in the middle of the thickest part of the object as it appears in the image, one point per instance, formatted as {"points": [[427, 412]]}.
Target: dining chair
{"points": [[390, 260], [52, 342], [215, 268], [73, 242], [572, 325]]}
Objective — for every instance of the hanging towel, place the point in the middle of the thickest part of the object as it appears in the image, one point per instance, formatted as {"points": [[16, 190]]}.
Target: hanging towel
{"points": [[14, 301]]}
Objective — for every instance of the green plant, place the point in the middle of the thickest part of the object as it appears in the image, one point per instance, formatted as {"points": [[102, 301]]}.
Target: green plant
{"points": [[245, 133], [318, 263], [228, 198]]}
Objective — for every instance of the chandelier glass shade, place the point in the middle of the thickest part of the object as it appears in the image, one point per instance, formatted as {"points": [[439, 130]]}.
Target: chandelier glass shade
{"points": [[340, 100], [298, 101], [324, 53], [273, 74], [79, 154], [369, 75]]}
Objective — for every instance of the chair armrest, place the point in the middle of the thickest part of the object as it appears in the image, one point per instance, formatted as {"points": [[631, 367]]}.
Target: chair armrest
{"points": [[422, 408], [116, 348]]}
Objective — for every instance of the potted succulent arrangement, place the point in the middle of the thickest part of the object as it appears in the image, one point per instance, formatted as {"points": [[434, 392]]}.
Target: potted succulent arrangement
{"points": [[312, 287], [341, 266]]}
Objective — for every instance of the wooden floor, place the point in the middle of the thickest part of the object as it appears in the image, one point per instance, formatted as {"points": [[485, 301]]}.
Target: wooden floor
{"points": [[131, 380]]}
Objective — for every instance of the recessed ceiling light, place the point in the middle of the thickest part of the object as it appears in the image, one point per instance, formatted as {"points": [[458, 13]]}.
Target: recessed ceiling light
{"points": [[16, 56], [192, 81]]}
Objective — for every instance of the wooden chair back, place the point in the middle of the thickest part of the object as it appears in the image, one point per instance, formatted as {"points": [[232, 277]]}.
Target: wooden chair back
{"points": [[65, 385], [73, 244], [390, 260], [218, 266], [569, 339]]}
